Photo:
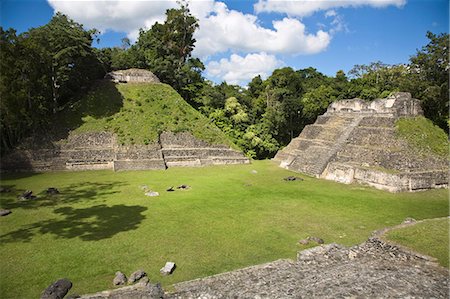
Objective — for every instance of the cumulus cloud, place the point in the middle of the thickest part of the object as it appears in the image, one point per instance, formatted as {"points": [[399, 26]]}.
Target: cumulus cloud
{"points": [[304, 8], [239, 70], [221, 29], [120, 16], [226, 29]]}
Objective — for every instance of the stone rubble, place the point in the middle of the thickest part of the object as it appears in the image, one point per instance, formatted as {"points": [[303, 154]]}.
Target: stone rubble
{"points": [[4, 212], [136, 275], [168, 268], [119, 279], [57, 290]]}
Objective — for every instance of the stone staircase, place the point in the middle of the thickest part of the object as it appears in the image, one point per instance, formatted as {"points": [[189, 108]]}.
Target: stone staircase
{"points": [[311, 152]]}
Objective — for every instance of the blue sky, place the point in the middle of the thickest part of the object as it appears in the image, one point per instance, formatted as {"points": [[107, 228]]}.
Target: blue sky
{"points": [[240, 39]]}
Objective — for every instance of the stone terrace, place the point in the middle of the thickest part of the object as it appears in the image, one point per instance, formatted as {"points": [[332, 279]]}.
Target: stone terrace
{"points": [[93, 151], [355, 141]]}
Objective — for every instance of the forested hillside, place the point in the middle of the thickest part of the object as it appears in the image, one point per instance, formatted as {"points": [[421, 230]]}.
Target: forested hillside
{"points": [[47, 68]]}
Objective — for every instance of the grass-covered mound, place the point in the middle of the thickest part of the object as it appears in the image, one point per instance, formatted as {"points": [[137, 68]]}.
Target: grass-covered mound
{"points": [[429, 237], [231, 217], [423, 135], [138, 113]]}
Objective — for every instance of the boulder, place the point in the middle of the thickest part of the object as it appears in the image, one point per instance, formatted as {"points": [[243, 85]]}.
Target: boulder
{"points": [[170, 189], [136, 275], [27, 195], [52, 191], [4, 212], [292, 178], [168, 268], [57, 290], [151, 193], [304, 242], [120, 279], [316, 239]]}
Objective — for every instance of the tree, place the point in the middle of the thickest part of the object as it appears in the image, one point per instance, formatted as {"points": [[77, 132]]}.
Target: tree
{"points": [[429, 78], [166, 50]]}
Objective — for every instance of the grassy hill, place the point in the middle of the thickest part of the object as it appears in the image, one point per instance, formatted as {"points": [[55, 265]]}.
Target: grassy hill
{"points": [[138, 113]]}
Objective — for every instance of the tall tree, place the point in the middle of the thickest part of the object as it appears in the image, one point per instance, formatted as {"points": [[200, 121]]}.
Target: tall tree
{"points": [[166, 49]]}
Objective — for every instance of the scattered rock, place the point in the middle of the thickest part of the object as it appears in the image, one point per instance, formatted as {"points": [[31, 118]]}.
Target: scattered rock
{"points": [[4, 190], [4, 212], [57, 290], [170, 189], [304, 242], [409, 220], [292, 178], [120, 279], [254, 171], [316, 239], [136, 275], [27, 195], [52, 191], [168, 268], [73, 296], [151, 193], [183, 187]]}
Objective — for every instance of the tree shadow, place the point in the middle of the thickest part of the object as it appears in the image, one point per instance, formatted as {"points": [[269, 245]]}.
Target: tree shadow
{"points": [[83, 191], [89, 224]]}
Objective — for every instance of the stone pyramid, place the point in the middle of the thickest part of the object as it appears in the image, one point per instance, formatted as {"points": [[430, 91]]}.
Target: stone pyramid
{"points": [[355, 141]]}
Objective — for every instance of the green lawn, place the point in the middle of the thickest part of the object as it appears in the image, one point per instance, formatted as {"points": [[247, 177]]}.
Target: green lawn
{"points": [[429, 237], [230, 218]]}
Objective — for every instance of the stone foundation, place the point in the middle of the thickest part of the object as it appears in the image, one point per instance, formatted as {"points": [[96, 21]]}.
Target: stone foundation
{"points": [[95, 151]]}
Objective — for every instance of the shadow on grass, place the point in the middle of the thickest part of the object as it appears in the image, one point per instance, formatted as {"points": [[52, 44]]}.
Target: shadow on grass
{"points": [[83, 191], [89, 224]]}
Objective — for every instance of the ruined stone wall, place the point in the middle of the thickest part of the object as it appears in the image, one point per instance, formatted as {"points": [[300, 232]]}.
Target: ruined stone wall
{"points": [[398, 104], [132, 75], [99, 150], [356, 141]]}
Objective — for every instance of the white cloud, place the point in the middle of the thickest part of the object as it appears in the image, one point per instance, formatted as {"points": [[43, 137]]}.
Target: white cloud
{"points": [[220, 29], [126, 16], [304, 8], [239, 70], [232, 30]]}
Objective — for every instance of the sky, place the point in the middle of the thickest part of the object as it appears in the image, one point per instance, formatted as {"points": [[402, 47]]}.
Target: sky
{"points": [[238, 40]]}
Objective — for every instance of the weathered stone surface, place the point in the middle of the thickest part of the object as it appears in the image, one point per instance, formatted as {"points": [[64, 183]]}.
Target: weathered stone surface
{"points": [[136, 275], [373, 269], [4, 212], [168, 268], [57, 290], [100, 150], [138, 291], [132, 75], [119, 279], [356, 141]]}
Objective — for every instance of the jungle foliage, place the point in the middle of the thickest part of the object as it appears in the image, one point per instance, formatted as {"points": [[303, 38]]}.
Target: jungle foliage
{"points": [[49, 67]]}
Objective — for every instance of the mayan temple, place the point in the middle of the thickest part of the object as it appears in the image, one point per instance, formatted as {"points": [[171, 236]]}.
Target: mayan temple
{"points": [[356, 141]]}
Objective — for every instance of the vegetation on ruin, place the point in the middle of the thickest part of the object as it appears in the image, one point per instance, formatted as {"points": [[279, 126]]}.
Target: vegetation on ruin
{"points": [[429, 237], [137, 113], [231, 217], [423, 135], [57, 63]]}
